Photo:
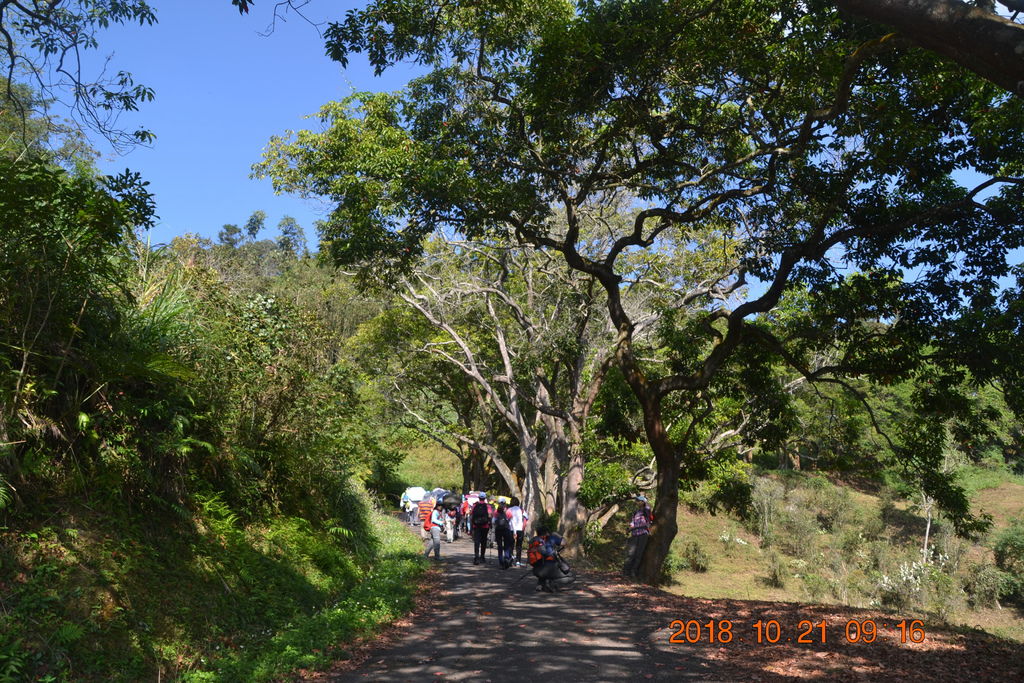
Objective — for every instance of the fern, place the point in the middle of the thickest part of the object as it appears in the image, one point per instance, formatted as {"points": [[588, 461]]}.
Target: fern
{"points": [[68, 633], [12, 661], [5, 493]]}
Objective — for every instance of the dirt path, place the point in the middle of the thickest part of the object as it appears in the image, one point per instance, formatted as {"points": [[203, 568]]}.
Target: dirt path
{"points": [[492, 625], [482, 623]]}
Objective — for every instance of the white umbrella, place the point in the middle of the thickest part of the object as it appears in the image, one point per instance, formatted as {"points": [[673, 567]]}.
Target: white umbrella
{"points": [[416, 493]]}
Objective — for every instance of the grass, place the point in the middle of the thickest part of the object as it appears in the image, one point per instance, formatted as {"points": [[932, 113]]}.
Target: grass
{"points": [[430, 466], [312, 640], [977, 478], [843, 565], [1004, 502], [91, 596], [737, 573]]}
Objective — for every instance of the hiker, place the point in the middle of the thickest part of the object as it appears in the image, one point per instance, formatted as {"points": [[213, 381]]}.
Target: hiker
{"points": [[459, 514], [409, 508], [550, 570], [503, 537], [464, 509], [480, 518], [449, 524], [425, 507], [518, 521], [433, 525], [472, 498], [639, 531], [452, 503]]}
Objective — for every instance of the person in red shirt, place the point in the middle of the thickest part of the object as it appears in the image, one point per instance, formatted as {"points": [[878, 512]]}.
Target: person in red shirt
{"points": [[465, 515]]}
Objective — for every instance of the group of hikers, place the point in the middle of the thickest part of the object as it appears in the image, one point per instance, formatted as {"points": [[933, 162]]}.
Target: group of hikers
{"points": [[503, 526]]}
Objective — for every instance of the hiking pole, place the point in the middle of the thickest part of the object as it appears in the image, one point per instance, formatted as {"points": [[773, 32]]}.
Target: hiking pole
{"points": [[525, 574]]}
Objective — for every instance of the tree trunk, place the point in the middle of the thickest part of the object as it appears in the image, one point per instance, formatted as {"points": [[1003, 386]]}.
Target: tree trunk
{"points": [[573, 517], [549, 481], [985, 43], [532, 499], [467, 471], [667, 502], [603, 515], [927, 503], [478, 470], [555, 452], [506, 474]]}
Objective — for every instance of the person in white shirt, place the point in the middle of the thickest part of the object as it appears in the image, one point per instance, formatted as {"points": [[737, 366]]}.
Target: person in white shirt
{"points": [[518, 519]]}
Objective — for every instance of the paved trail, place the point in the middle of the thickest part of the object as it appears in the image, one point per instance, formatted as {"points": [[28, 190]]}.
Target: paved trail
{"points": [[488, 624]]}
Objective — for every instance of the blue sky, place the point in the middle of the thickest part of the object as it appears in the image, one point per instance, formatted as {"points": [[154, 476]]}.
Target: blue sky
{"points": [[221, 91]]}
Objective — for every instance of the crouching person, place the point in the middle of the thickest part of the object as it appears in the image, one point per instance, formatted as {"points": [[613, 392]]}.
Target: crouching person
{"points": [[551, 570]]}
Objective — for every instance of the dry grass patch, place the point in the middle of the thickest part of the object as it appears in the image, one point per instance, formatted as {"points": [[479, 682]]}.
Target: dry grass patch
{"points": [[1004, 502]]}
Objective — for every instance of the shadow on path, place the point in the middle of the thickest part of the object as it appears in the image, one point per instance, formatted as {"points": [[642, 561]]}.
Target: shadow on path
{"points": [[490, 624], [481, 623]]}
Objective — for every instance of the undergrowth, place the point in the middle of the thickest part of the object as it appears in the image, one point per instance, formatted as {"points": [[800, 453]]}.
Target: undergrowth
{"points": [[89, 596]]}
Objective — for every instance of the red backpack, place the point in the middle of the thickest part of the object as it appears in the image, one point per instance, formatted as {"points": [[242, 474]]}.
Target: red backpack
{"points": [[539, 550]]}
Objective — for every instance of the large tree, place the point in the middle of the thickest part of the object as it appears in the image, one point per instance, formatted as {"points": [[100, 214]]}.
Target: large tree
{"points": [[811, 147], [45, 42], [970, 34], [529, 347]]}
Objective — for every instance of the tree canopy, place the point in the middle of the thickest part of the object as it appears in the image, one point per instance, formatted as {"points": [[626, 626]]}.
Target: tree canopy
{"points": [[816, 147]]}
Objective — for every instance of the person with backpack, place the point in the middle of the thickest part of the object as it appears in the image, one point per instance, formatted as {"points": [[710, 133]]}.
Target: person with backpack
{"points": [[639, 532], [432, 526], [480, 518], [542, 555], [424, 508], [409, 510], [503, 537], [518, 519]]}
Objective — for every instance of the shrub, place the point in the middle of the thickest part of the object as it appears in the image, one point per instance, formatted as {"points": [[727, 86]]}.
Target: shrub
{"points": [[815, 586], [798, 531], [669, 568], [986, 584], [591, 536], [852, 545], [944, 595], [695, 558], [879, 554], [729, 540], [766, 499], [777, 572], [902, 588], [1009, 549], [1009, 554], [950, 546], [887, 510], [873, 526], [605, 481], [835, 506]]}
